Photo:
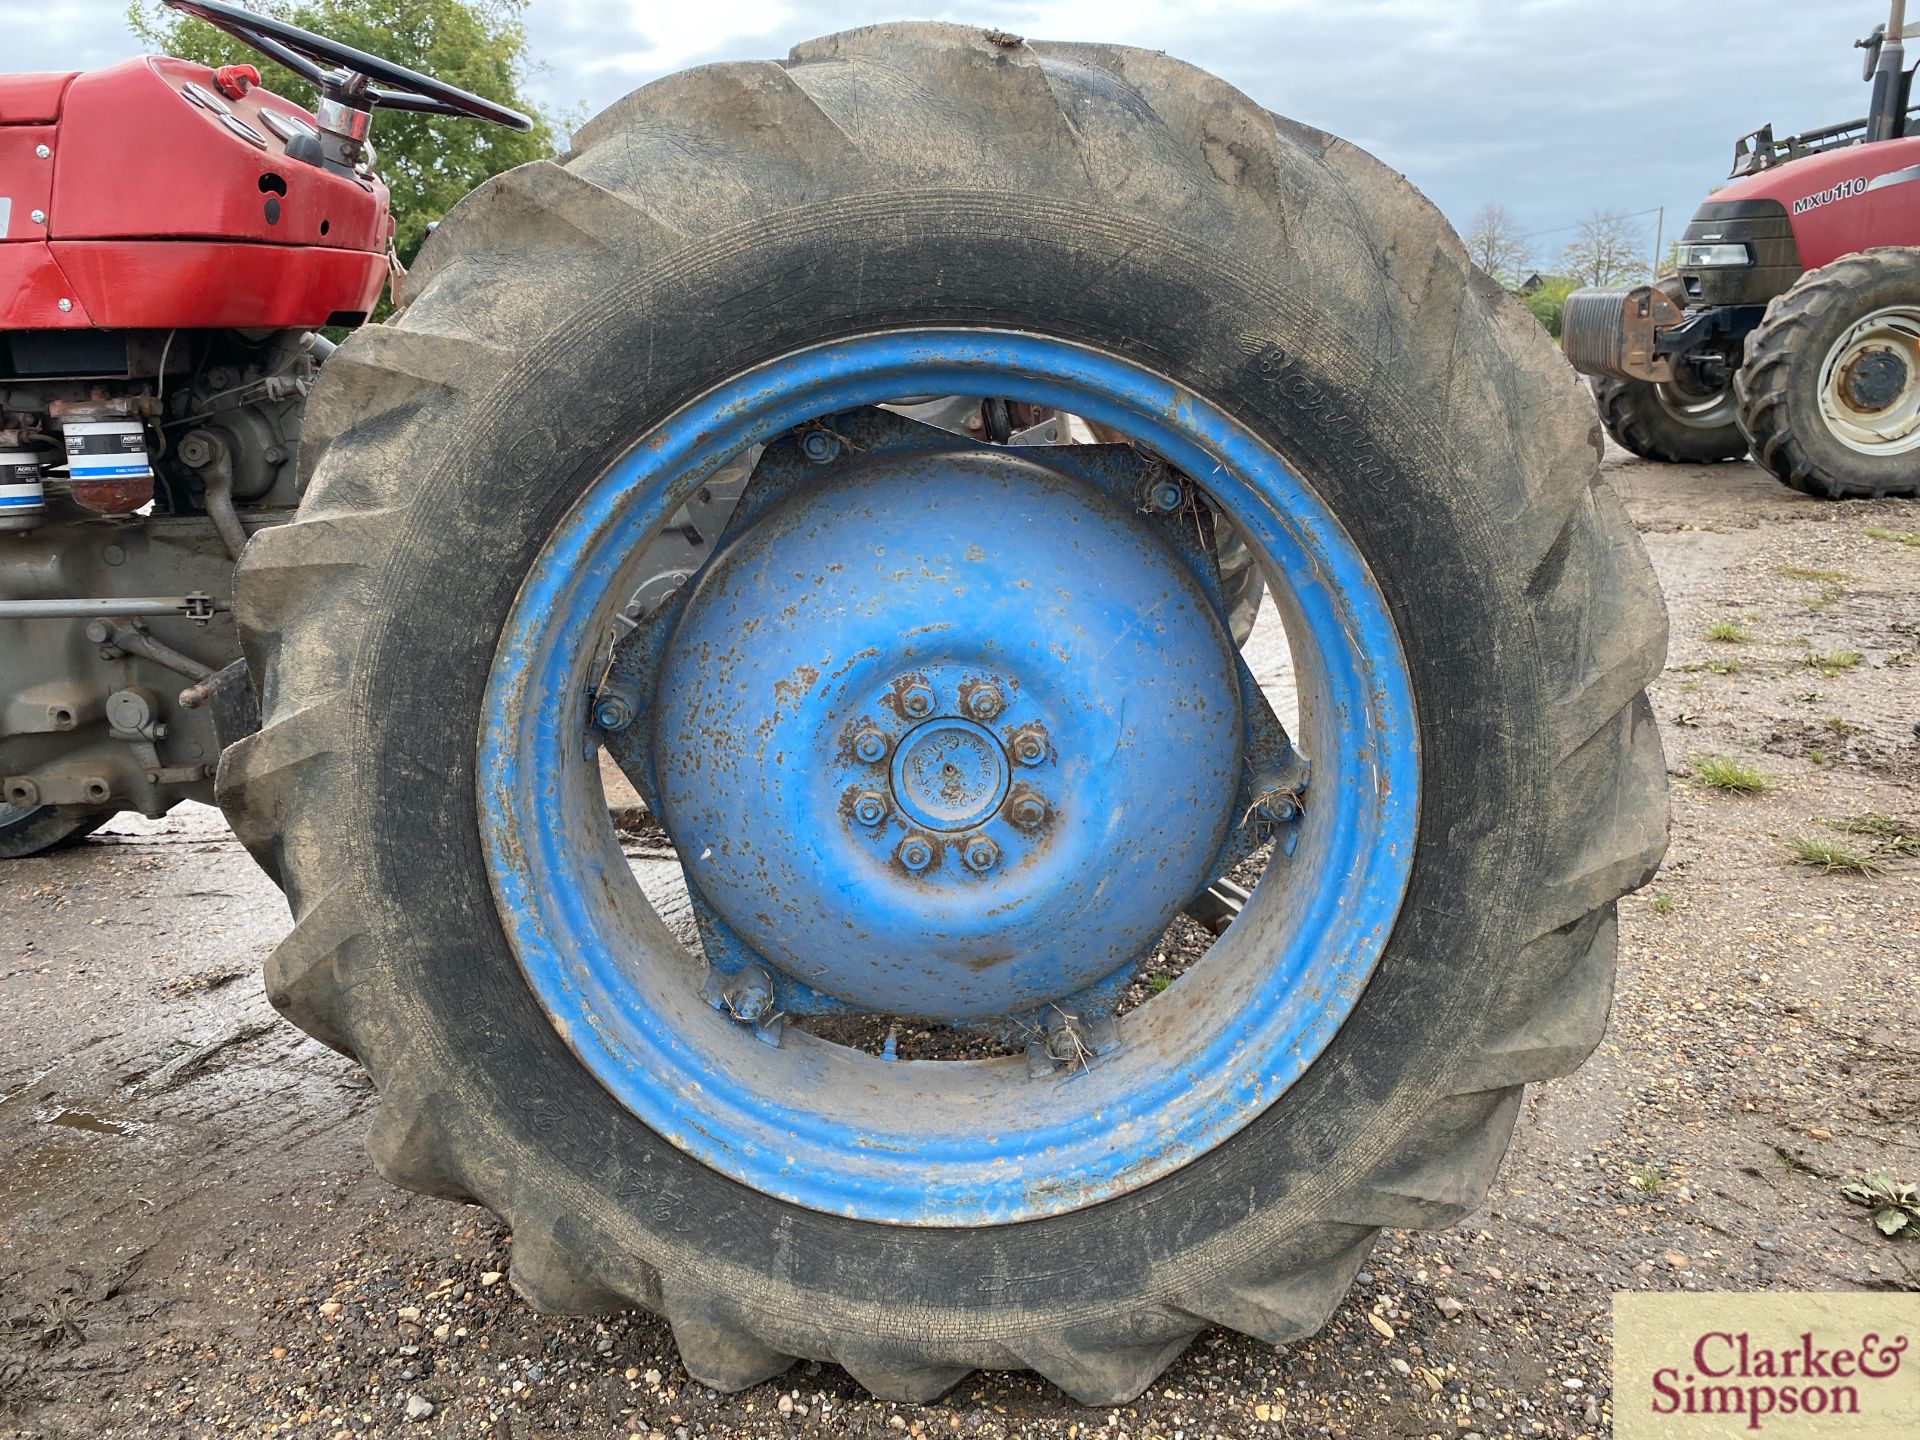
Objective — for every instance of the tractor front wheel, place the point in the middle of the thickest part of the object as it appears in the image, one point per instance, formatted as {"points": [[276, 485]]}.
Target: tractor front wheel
{"points": [[1671, 422], [944, 735]]}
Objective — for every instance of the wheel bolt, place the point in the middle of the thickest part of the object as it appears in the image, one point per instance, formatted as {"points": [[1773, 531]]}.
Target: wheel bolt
{"points": [[984, 702], [1166, 496], [1027, 811], [1029, 747], [870, 746], [914, 853], [819, 446], [917, 700], [612, 711], [981, 855], [870, 808]]}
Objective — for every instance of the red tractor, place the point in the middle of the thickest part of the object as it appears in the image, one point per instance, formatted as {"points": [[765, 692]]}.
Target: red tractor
{"points": [[876, 460], [1792, 328]]}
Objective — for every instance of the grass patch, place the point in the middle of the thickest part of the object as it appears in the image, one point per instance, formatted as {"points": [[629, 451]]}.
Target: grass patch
{"points": [[1830, 857], [1661, 904], [1833, 662], [1157, 984], [1720, 772], [1828, 597], [1647, 1179], [1898, 537], [1727, 632], [1894, 837], [1839, 726], [1802, 572]]}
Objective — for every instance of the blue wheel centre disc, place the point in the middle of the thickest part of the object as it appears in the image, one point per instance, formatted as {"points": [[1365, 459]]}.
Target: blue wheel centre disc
{"points": [[947, 738], [934, 611]]}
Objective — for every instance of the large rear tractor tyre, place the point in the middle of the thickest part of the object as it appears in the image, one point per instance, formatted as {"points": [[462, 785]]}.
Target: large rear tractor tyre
{"points": [[31, 829], [897, 627], [1830, 388], [1668, 422]]}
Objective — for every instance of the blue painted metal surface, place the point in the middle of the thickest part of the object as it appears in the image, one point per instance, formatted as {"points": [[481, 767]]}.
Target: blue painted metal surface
{"points": [[949, 1143], [901, 596]]}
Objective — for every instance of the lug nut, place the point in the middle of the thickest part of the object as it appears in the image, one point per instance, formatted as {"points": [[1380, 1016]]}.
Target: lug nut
{"points": [[1029, 747], [985, 702], [870, 746], [914, 853], [1027, 811], [819, 446], [1166, 496], [917, 700], [612, 711], [870, 808], [981, 855]]}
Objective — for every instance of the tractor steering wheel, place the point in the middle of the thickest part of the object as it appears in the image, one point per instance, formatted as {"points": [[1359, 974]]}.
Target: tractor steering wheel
{"points": [[342, 73]]}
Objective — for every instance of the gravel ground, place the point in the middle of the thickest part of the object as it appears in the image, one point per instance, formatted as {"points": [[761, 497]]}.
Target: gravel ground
{"points": [[192, 1242]]}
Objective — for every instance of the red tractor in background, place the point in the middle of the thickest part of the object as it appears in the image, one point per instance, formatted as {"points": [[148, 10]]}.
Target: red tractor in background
{"points": [[1792, 328]]}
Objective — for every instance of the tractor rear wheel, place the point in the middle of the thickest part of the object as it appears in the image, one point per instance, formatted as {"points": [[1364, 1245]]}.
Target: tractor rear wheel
{"points": [[1830, 388], [945, 730], [1669, 422]]}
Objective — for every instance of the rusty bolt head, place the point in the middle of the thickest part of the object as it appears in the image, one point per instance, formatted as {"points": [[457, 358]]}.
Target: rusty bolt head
{"points": [[1065, 1044], [1027, 811], [981, 855], [984, 702], [194, 450], [612, 712], [917, 700], [870, 746], [870, 808], [1166, 496], [1029, 747], [1280, 809], [914, 853], [819, 446]]}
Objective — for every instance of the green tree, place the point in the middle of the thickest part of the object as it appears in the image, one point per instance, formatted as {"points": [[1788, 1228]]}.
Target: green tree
{"points": [[429, 162], [1549, 299]]}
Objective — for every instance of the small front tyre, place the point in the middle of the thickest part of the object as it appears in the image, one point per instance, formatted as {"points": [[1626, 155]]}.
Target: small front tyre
{"points": [[941, 730]]}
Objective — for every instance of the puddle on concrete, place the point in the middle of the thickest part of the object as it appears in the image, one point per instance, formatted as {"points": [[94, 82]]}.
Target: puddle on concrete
{"points": [[81, 1120]]}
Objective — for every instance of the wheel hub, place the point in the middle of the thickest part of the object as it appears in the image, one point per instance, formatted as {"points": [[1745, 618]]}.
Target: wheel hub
{"points": [[948, 735], [1870, 383], [1873, 379], [949, 774]]}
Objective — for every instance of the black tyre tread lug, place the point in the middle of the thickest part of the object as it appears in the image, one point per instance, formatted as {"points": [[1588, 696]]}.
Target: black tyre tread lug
{"points": [[1532, 1042], [1285, 1306], [717, 1346], [262, 776], [1001, 124], [1595, 585], [724, 141], [1439, 1170], [1612, 829], [546, 1271], [541, 198], [1100, 1367], [409, 1141], [304, 976], [893, 1373], [1761, 384], [381, 376], [1461, 1154]]}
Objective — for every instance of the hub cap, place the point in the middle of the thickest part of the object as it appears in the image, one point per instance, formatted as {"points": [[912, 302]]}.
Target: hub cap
{"points": [[826, 746], [1870, 383]]}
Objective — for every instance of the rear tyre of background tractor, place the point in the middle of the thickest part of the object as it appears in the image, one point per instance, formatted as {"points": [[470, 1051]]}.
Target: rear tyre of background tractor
{"points": [[1830, 389], [1665, 422], [28, 830], [1091, 212]]}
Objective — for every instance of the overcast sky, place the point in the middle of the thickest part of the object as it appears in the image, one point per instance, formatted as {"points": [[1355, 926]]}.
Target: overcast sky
{"points": [[1552, 108]]}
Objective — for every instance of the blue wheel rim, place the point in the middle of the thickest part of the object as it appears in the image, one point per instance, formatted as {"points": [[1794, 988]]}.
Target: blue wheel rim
{"points": [[948, 1143]]}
